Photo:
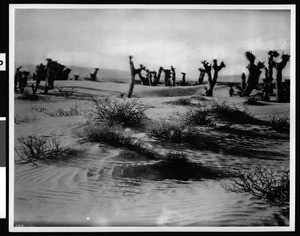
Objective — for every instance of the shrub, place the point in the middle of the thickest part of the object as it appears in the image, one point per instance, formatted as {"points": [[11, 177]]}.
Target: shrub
{"points": [[182, 102], [42, 148], [198, 116], [262, 183], [121, 112], [253, 101], [115, 136], [224, 111], [74, 111], [172, 132], [65, 92], [280, 123], [24, 119], [112, 135]]}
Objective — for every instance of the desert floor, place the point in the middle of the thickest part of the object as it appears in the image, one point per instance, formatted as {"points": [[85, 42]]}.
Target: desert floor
{"points": [[91, 190]]}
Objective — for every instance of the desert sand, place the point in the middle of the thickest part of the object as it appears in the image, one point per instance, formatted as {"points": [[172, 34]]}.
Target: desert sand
{"points": [[90, 191]]}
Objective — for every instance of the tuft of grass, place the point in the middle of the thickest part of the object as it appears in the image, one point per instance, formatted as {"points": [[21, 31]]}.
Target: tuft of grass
{"points": [[253, 101], [74, 111], [199, 98], [172, 132], [198, 116], [24, 119], [33, 149], [65, 92], [39, 109], [111, 134], [123, 112], [182, 102], [263, 183], [114, 135], [232, 113], [280, 123]]}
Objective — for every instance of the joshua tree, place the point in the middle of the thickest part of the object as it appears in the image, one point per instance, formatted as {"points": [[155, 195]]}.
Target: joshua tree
{"points": [[23, 81], [279, 66], [212, 81], [231, 90], [154, 74], [133, 72], [173, 76], [41, 73], [157, 77], [243, 84], [144, 80], [272, 54], [268, 81], [201, 76], [18, 76], [254, 73], [183, 82], [167, 77], [51, 68], [93, 76], [149, 77]]}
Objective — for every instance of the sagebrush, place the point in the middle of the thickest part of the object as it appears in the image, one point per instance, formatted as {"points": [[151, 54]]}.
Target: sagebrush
{"points": [[263, 183], [118, 111], [34, 148]]}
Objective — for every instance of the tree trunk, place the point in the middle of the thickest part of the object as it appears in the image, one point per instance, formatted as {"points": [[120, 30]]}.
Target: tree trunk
{"points": [[131, 85], [209, 91], [183, 79], [243, 84], [279, 87], [250, 82], [201, 76], [133, 72]]}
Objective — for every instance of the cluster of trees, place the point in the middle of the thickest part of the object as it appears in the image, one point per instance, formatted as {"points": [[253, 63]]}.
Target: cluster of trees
{"points": [[49, 72], [255, 70], [152, 78], [254, 67]]}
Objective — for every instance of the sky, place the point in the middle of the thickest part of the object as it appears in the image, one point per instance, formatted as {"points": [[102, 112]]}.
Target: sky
{"points": [[105, 38]]}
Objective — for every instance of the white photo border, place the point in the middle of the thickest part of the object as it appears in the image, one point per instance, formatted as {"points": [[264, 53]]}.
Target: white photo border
{"points": [[291, 227]]}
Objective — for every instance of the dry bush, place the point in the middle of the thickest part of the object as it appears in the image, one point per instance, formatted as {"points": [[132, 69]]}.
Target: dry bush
{"points": [[263, 183], [223, 111], [73, 111], [33, 149], [65, 92], [280, 123], [114, 135], [111, 134], [24, 119], [182, 102], [121, 112], [198, 116], [172, 132], [253, 101]]}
